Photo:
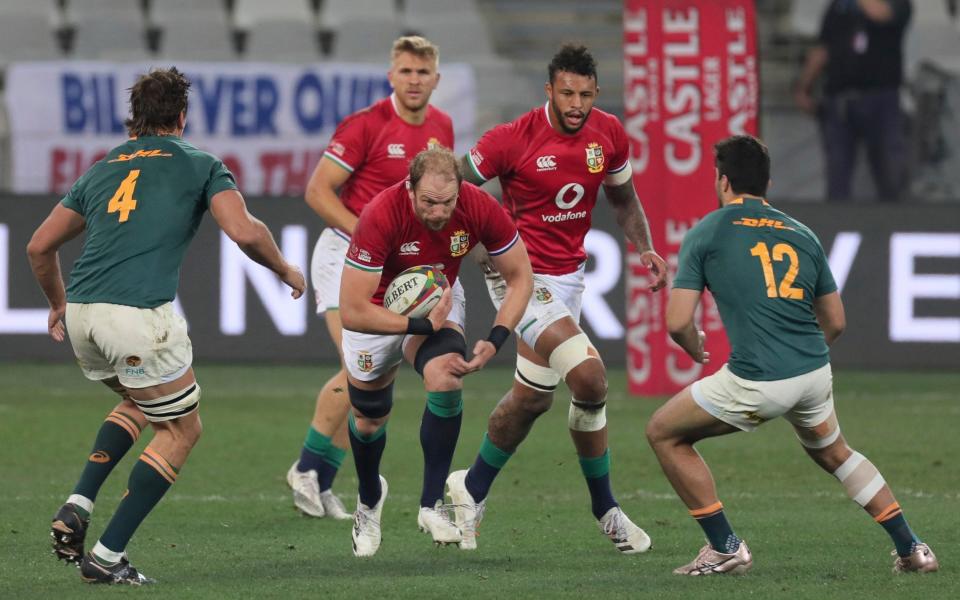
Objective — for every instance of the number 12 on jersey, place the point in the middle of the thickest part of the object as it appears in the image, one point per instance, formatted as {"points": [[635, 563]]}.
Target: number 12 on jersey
{"points": [[123, 200], [786, 289]]}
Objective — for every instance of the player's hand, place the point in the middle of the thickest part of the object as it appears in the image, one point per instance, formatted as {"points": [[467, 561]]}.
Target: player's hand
{"points": [[701, 356], [657, 266], [294, 278], [483, 351], [438, 314], [55, 323]]}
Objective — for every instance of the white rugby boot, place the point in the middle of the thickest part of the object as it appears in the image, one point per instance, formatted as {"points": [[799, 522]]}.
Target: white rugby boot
{"points": [[627, 537], [467, 513], [366, 524], [711, 562], [921, 560], [333, 506], [436, 521], [306, 491]]}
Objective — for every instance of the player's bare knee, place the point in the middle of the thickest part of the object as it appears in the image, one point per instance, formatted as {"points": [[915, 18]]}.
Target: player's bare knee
{"points": [[831, 457], [434, 356], [438, 374]]}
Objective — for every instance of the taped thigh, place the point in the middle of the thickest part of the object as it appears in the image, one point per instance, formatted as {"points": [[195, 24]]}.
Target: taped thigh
{"points": [[372, 404], [860, 478], [815, 441], [570, 353], [536, 377], [171, 406]]}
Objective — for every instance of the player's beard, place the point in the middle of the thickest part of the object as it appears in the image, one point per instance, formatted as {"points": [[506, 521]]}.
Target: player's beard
{"points": [[563, 124]]}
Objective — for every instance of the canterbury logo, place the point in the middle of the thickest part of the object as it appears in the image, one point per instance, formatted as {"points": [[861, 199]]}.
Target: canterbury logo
{"points": [[546, 163], [410, 248], [139, 154], [396, 151], [100, 457]]}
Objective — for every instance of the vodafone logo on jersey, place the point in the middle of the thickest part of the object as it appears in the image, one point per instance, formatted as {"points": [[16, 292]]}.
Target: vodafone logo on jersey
{"points": [[546, 163], [396, 151], [568, 197], [410, 248]]}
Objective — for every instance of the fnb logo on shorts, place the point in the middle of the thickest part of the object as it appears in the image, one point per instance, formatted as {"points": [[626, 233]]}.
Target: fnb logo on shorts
{"points": [[396, 151], [410, 248], [547, 163]]}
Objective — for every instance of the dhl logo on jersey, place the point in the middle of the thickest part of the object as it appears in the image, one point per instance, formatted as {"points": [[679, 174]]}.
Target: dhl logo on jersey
{"points": [[749, 222], [140, 154]]}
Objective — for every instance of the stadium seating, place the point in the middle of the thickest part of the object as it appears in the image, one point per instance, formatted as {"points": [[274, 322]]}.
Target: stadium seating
{"points": [[117, 37], [333, 13], [353, 39], [282, 40], [27, 36], [167, 11], [247, 13], [197, 37]]}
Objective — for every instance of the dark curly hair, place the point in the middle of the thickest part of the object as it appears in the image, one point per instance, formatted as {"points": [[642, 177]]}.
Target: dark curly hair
{"points": [[573, 59], [156, 101], [746, 163]]}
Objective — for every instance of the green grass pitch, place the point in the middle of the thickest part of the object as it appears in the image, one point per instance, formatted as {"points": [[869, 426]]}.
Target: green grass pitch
{"points": [[227, 529]]}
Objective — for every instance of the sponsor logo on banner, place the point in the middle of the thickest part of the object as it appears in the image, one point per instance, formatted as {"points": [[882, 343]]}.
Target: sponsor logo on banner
{"points": [[396, 151], [594, 157], [364, 361], [546, 163], [459, 243], [410, 248]]}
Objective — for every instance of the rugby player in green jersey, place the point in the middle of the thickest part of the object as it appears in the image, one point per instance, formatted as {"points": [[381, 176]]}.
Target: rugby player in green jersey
{"points": [[781, 309], [140, 207]]}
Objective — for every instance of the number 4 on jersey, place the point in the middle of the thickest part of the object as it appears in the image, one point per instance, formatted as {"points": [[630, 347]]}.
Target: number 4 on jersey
{"points": [[123, 200]]}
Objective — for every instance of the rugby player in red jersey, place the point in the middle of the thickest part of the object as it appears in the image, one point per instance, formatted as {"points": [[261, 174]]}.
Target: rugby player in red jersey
{"points": [[551, 163], [432, 218], [370, 150]]}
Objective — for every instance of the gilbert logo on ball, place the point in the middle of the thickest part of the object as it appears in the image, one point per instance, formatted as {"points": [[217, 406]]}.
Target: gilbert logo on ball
{"points": [[414, 292]]}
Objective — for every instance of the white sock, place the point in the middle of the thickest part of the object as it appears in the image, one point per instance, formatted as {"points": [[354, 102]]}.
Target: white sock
{"points": [[81, 501], [106, 555]]}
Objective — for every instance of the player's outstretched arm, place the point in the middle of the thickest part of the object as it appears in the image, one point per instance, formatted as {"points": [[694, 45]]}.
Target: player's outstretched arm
{"points": [[61, 226], [681, 309], [254, 238], [633, 221], [321, 195], [514, 265], [830, 316]]}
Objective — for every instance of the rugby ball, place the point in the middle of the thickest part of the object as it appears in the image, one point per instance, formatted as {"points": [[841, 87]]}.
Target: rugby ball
{"points": [[414, 292]]}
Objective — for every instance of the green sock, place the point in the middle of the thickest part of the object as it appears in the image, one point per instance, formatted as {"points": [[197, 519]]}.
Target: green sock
{"points": [[149, 480], [116, 436]]}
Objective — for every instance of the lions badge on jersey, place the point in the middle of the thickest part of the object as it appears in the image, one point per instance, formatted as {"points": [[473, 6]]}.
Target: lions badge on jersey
{"points": [[594, 157], [365, 361], [459, 243]]}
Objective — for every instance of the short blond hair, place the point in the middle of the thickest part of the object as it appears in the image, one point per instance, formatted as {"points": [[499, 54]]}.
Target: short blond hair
{"points": [[416, 45], [436, 160]]}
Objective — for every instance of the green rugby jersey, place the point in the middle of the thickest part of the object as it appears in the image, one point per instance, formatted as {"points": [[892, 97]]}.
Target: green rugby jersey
{"points": [[142, 204], [764, 270]]}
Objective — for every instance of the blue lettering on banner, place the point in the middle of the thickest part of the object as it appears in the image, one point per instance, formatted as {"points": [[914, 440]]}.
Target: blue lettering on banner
{"points": [[89, 104], [321, 103], [252, 104]]}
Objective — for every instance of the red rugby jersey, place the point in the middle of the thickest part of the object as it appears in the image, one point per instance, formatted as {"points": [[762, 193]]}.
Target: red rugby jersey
{"points": [[390, 239], [550, 180], [376, 146]]}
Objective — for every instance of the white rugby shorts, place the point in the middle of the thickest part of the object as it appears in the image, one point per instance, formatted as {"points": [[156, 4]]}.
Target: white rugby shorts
{"points": [[554, 297], [326, 267], [805, 400], [143, 347], [370, 355]]}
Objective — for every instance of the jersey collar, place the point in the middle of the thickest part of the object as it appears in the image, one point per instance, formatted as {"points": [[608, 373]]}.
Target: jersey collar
{"points": [[741, 199]]}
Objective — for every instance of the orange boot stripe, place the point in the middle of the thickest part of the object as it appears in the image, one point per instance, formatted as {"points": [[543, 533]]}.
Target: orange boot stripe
{"points": [[124, 425], [706, 511], [888, 513], [159, 464]]}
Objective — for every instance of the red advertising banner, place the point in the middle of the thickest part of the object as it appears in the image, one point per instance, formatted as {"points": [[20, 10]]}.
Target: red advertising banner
{"points": [[690, 80]]}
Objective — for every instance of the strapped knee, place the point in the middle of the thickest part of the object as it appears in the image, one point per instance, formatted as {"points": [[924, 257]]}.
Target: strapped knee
{"points": [[534, 376], [442, 342], [570, 353], [586, 417], [172, 406], [860, 478], [809, 440], [372, 404]]}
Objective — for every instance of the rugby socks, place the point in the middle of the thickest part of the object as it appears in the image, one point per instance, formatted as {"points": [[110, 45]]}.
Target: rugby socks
{"points": [[319, 454], [118, 433], [439, 430], [891, 518], [149, 480], [367, 452], [596, 470], [715, 526], [485, 469]]}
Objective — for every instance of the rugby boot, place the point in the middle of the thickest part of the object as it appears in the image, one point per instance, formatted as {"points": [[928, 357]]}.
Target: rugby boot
{"points": [[436, 522], [306, 491], [467, 513], [366, 524], [68, 531], [711, 562], [625, 535], [122, 573], [921, 560], [333, 506]]}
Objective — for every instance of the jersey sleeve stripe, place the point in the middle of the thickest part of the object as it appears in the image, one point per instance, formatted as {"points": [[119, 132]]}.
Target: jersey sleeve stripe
{"points": [[516, 237], [476, 171], [619, 176], [625, 164], [357, 265], [339, 161]]}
